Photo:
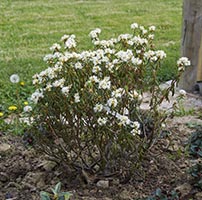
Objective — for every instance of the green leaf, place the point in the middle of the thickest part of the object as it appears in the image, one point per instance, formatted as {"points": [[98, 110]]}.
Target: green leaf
{"points": [[200, 153], [44, 196], [57, 188], [158, 192], [67, 196]]}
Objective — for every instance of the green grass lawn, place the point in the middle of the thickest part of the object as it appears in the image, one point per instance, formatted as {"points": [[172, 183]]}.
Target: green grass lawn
{"points": [[29, 27]]}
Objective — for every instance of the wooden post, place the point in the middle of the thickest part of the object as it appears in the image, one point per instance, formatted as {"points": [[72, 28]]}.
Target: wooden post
{"points": [[199, 68], [191, 42]]}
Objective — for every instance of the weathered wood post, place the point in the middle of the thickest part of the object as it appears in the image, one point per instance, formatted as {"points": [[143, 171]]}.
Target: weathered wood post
{"points": [[191, 45]]}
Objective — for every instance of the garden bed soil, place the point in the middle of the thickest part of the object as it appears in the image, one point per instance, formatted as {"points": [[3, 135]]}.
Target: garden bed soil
{"points": [[24, 172]]}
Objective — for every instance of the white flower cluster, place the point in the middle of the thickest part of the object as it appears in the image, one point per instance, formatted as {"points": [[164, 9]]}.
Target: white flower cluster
{"points": [[105, 83], [136, 61], [36, 96], [152, 28], [134, 26], [118, 93], [134, 95], [95, 33], [65, 90], [182, 92], [105, 43], [59, 83], [98, 108], [182, 63], [69, 41], [49, 73], [124, 37], [78, 65], [55, 47], [125, 121], [76, 98], [112, 102], [125, 56], [102, 121], [153, 56]]}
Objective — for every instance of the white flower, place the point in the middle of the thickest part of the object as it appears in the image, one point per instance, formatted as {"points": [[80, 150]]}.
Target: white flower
{"points": [[124, 37], [160, 54], [183, 61], [102, 121], [48, 57], [65, 90], [27, 109], [112, 102], [78, 65], [93, 79], [135, 132], [59, 83], [152, 28], [14, 78], [139, 41], [98, 108], [95, 33], [118, 93], [104, 43], [136, 61], [134, 26], [96, 69], [144, 31], [182, 92], [135, 124], [48, 87], [70, 42], [151, 36], [125, 55], [64, 37], [110, 66], [124, 120], [154, 58], [36, 96], [35, 81], [109, 51], [105, 83], [149, 54], [55, 47], [134, 94], [76, 98]]}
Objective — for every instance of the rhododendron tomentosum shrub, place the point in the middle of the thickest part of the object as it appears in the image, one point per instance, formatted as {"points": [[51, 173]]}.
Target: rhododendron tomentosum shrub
{"points": [[88, 104]]}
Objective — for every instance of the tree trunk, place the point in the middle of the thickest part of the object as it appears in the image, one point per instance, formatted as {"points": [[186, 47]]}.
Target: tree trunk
{"points": [[191, 42]]}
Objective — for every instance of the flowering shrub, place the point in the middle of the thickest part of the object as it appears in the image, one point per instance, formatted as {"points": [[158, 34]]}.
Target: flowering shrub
{"points": [[88, 104]]}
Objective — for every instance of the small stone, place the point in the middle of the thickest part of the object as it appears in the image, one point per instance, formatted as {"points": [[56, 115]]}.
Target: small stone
{"points": [[184, 189], [103, 183], [4, 177], [41, 183], [28, 186], [198, 196], [125, 195], [48, 165], [115, 181], [4, 147], [34, 179]]}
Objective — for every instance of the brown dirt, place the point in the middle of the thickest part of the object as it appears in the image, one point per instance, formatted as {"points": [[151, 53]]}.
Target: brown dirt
{"points": [[24, 172]]}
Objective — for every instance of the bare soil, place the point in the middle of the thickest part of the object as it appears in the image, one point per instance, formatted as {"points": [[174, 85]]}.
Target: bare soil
{"points": [[24, 172]]}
